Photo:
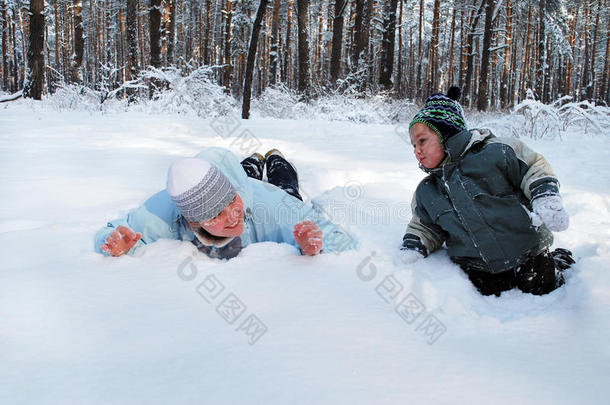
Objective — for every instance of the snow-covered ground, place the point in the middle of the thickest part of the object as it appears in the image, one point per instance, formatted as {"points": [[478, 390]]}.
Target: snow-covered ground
{"points": [[353, 328]]}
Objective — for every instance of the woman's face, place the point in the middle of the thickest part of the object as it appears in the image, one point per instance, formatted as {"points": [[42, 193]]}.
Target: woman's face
{"points": [[228, 223], [426, 146]]}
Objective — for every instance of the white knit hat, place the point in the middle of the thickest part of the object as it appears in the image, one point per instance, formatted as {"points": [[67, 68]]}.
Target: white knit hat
{"points": [[198, 188]]}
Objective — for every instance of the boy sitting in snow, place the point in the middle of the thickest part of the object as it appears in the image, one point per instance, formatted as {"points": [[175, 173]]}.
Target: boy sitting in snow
{"points": [[222, 206], [478, 197]]}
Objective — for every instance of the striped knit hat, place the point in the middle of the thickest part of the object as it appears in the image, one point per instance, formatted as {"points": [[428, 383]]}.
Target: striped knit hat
{"points": [[199, 189], [443, 114]]}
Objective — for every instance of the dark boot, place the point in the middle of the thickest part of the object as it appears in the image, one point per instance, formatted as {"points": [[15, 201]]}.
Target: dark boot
{"points": [[281, 173], [538, 275], [253, 166], [563, 259]]}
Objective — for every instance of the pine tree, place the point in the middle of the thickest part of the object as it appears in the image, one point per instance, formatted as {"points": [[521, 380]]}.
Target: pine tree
{"points": [[483, 100], [5, 46], [155, 33], [274, 52], [337, 44], [256, 28], [171, 31], [227, 47], [434, 43], [303, 48], [79, 42], [36, 67], [387, 49], [132, 38]]}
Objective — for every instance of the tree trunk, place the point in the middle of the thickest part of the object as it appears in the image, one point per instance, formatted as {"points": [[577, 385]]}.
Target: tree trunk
{"points": [[47, 59], [14, 65], [357, 27], [99, 38], [483, 101], [328, 46], [361, 34], [387, 48], [304, 85], [155, 33], [287, 70], [525, 55], [256, 28], [583, 54], [335, 58], [57, 35], [171, 33], [594, 87], [546, 95], [349, 40], [418, 83], [361, 57], [79, 42], [206, 38], [108, 32], [541, 61], [165, 6], [154, 29], [200, 35], [463, 45], [24, 44], [434, 41], [90, 53], [398, 86], [65, 54], [605, 94], [452, 47], [5, 47], [93, 43], [227, 48], [470, 54], [504, 81], [35, 76], [567, 89], [317, 60], [119, 45], [274, 53], [132, 38], [142, 36]]}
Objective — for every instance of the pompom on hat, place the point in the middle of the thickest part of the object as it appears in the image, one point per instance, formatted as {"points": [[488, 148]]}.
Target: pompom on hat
{"points": [[443, 114], [199, 189]]}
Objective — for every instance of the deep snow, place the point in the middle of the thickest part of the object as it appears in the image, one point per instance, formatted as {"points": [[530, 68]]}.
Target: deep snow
{"points": [[76, 327]]}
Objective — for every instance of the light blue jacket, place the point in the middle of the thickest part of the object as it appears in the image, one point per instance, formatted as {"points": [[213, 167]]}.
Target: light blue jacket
{"points": [[269, 214]]}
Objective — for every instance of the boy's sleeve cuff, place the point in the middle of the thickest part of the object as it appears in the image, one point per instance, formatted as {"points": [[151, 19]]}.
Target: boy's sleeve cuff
{"points": [[544, 187], [413, 242]]}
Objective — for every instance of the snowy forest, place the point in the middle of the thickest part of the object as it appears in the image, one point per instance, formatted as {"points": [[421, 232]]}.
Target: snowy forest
{"points": [[495, 50]]}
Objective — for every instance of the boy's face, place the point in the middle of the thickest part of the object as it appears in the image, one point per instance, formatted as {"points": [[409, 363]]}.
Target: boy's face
{"points": [[228, 223], [426, 146]]}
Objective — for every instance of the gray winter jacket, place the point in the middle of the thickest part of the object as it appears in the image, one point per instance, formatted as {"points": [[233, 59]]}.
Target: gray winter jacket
{"points": [[478, 202]]}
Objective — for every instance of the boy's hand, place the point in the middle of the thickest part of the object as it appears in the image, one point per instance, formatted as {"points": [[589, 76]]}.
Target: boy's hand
{"points": [[309, 237], [120, 241], [550, 209]]}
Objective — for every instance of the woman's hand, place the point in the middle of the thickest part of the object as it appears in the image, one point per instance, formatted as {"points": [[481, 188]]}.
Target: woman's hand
{"points": [[309, 237], [120, 241]]}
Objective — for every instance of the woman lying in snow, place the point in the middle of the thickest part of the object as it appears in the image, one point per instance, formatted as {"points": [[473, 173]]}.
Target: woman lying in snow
{"points": [[222, 206], [478, 197]]}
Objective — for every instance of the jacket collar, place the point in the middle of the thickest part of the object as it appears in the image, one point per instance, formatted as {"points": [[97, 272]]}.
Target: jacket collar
{"points": [[458, 145], [210, 240]]}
